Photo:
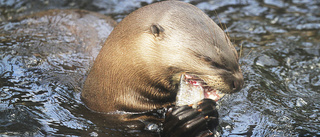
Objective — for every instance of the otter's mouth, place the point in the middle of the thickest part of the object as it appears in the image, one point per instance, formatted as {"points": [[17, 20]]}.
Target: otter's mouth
{"points": [[193, 89]]}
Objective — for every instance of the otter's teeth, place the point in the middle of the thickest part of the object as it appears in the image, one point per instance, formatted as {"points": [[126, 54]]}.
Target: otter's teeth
{"points": [[213, 94]]}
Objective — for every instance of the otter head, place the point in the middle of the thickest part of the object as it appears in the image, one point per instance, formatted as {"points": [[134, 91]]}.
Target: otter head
{"points": [[140, 65]]}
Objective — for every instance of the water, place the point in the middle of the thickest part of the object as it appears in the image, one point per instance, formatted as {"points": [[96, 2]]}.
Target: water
{"points": [[280, 58]]}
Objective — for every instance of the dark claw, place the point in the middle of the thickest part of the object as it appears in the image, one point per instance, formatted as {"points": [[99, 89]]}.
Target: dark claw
{"points": [[191, 128], [185, 121], [182, 115]]}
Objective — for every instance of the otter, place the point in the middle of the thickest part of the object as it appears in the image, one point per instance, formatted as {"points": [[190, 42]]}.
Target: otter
{"points": [[140, 65], [142, 59]]}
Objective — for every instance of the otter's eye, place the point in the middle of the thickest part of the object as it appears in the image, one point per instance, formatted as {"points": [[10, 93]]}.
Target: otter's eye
{"points": [[204, 58], [207, 59], [213, 63], [217, 65]]}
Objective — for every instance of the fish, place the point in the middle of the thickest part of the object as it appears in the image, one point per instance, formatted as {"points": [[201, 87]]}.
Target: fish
{"points": [[192, 89]]}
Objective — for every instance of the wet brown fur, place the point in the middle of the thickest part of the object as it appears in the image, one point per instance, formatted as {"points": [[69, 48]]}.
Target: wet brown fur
{"points": [[142, 59]]}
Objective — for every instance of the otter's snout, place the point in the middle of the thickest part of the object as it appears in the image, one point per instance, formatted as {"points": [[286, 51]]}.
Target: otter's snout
{"points": [[238, 82]]}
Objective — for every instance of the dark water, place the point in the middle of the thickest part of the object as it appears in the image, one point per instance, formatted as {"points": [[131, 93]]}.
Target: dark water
{"points": [[279, 41]]}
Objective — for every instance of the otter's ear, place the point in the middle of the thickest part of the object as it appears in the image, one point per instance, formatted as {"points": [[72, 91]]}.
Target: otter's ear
{"points": [[156, 29]]}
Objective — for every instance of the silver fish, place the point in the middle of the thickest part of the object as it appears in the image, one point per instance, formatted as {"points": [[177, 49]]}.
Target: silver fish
{"points": [[192, 90]]}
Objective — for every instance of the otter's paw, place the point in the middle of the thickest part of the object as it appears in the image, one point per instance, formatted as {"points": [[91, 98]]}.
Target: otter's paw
{"points": [[185, 121]]}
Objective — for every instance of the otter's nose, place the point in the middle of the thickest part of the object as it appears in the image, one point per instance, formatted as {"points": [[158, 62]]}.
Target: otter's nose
{"points": [[238, 82]]}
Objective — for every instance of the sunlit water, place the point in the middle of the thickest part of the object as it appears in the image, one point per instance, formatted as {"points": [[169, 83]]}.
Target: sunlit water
{"points": [[41, 76]]}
